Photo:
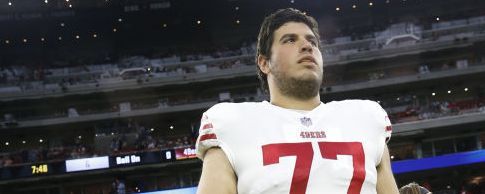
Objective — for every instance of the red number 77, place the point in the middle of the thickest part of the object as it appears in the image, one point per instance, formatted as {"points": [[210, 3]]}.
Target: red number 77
{"points": [[304, 156]]}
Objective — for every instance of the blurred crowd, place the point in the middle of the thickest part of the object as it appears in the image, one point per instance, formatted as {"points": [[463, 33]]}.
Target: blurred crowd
{"points": [[437, 109], [20, 78], [109, 141]]}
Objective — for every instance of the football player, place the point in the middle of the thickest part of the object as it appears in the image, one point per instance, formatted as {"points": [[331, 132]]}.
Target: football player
{"points": [[294, 143]]}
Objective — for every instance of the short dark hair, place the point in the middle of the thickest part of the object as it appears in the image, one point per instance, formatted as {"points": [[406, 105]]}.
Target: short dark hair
{"points": [[270, 24], [413, 188]]}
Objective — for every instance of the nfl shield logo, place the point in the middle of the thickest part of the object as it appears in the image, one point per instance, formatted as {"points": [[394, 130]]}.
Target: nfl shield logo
{"points": [[306, 121]]}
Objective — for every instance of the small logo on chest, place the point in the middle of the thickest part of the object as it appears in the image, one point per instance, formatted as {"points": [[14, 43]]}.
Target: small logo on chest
{"points": [[305, 121]]}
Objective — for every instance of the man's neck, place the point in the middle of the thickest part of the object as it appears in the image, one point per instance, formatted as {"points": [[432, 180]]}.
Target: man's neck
{"points": [[293, 103]]}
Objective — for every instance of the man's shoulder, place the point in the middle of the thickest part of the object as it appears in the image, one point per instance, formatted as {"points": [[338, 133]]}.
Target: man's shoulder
{"points": [[227, 108], [356, 106], [355, 103]]}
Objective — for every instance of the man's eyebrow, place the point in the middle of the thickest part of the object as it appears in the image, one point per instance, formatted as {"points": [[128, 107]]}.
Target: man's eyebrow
{"points": [[292, 35], [287, 36], [310, 37]]}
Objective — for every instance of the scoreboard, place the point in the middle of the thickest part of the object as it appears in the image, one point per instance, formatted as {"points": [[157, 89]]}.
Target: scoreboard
{"points": [[87, 164]]}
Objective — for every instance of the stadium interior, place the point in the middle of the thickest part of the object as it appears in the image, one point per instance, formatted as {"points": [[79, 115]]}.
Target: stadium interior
{"points": [[123, 85]]}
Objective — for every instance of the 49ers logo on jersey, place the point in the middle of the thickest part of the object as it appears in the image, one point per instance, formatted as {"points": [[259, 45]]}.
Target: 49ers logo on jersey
{"points": [[312, 134]]}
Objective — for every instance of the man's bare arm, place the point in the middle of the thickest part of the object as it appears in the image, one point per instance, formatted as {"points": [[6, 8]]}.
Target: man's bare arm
{"points": [[217, 174], [385, 179]]}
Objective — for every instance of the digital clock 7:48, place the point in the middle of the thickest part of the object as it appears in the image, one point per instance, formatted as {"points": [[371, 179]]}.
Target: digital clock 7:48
{"points": [[39, 169]]}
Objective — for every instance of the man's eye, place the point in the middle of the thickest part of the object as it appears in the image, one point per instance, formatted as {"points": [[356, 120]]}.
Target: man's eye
{"points": [[314, 43], [290, 40]]}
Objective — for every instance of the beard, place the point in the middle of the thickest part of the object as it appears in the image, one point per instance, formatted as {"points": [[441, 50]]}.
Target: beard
{"points": [[303, 88]]}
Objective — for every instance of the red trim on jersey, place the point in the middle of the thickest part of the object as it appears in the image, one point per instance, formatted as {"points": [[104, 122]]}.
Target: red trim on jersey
{"points": [[204, 117], [207, 126], [208, 136], [389, 128]]}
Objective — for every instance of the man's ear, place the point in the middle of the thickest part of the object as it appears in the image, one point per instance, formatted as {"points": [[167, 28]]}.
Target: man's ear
{"points": [[263, 64]]}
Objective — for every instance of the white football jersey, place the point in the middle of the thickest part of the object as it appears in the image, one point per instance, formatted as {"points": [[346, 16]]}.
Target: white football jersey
{"points": [[333, 148]]}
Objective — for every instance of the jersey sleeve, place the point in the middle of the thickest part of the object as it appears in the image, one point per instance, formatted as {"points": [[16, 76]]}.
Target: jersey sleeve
{"points": [[207, 137], [387, 124], [384, 127], [211, 134]]}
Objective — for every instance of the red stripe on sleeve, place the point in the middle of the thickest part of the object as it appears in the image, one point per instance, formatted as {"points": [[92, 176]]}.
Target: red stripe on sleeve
{"points": [[208, 136], [207, 126], [389, 128]]}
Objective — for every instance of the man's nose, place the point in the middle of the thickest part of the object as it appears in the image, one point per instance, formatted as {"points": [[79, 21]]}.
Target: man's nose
{"points": [[306, 47]]}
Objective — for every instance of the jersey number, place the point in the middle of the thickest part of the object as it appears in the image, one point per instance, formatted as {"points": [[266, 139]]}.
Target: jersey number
{"points": [[304, 156]]}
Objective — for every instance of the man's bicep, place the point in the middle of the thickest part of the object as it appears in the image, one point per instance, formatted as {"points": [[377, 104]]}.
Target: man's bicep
{"points": [[217, 174], [385, 179]]}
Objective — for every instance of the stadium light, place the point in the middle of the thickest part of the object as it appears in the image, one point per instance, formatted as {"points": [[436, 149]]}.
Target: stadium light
{"points": [[371, 4], [198, 21], [24, 40], [7, 41], [236, 8], [337, 9], [466, 89], [79, 137], [6, 143], [171, 126], [433, 94], [237, 21], [120, 19], [164, 25], [46, 1], [114, 29], [62, 24], [77, 37], [42, 39], [95, 35], [152, 129], [10, 3], [41, 140], [23, 142], [59, 38], [354, 6], [449, 91], [437, 18]]}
